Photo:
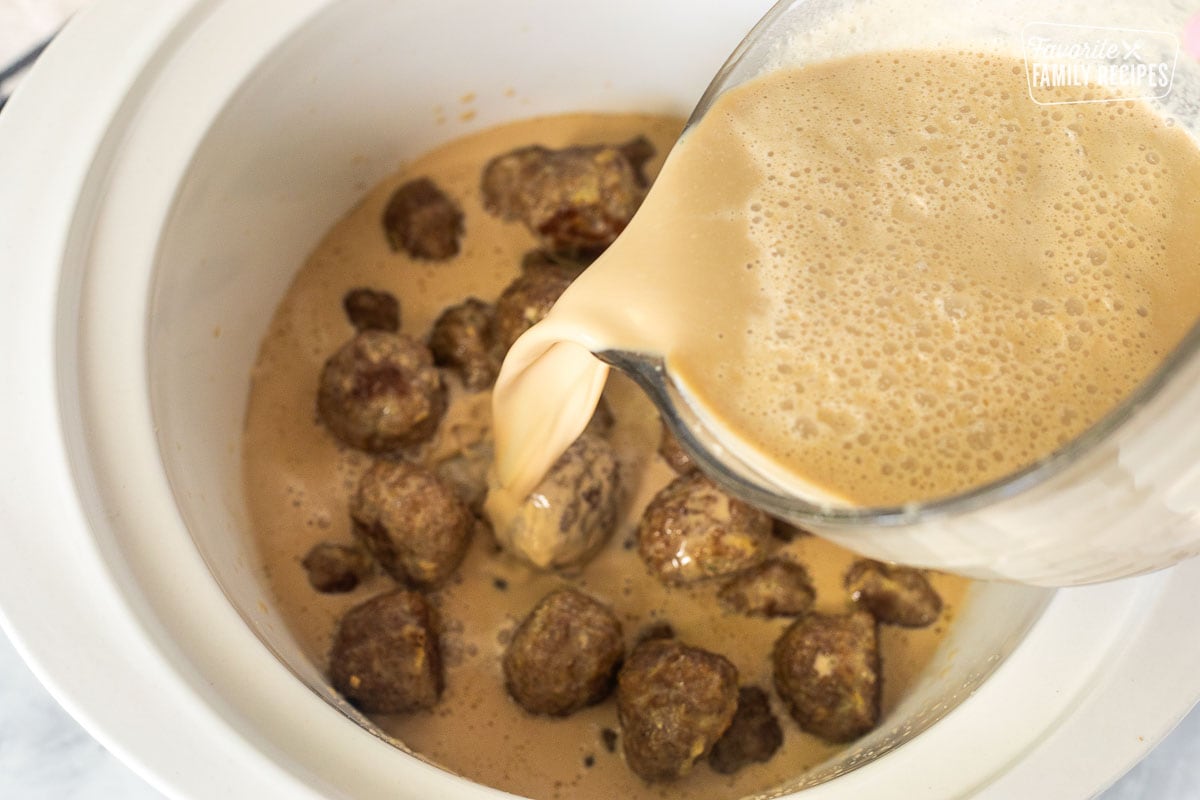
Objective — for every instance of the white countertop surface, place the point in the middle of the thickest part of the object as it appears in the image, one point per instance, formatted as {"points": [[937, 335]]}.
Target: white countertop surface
{"points": [[46, 755]]}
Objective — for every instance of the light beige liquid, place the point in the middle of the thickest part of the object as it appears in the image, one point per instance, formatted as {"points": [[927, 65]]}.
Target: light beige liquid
{"points": [[298, 480], [888, 278]]}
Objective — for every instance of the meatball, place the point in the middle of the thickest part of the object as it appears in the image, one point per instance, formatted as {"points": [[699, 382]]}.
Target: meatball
{"points": [[381, 392], [414, 525], [775, 588], [753, 736], [564, 655], [692, 530], [603, 420], [827, 673], [571, 513], [895, 595], [575, 200], [421, 220], [467, 473], [336, 568], [656, 630], [462, 340], [536, 260], [786, 531], [673, 702], [370, 310], [526, 301], [673, 453], [385, 657], [638, 151]]}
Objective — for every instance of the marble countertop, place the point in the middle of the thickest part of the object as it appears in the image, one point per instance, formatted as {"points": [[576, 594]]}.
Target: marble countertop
{"points": [[46, 755]]}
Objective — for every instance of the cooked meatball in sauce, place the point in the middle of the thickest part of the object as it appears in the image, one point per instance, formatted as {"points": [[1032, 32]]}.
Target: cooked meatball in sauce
{"points": [[564, 655], [426, 622]]}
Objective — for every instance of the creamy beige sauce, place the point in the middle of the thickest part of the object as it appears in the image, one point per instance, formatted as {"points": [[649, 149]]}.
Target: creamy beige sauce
{"points": [[888, 278], [298, 480]]}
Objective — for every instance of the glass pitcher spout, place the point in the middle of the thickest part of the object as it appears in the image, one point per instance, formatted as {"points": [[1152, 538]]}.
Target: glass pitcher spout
{"points": [[705, 447]]}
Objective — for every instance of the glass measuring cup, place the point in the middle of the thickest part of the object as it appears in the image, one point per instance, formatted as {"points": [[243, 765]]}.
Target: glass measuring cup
{"points": [[1121, 498]]}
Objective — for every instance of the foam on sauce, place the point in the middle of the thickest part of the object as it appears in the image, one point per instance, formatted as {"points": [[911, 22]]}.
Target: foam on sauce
{"points": [[892, 277], [298, 480]]}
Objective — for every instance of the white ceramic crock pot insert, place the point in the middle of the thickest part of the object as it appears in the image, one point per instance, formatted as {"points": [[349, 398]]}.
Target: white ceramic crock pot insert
{"points": [[183, 160]]}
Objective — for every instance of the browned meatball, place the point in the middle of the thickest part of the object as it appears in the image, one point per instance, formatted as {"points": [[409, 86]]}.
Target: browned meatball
{"points": [[656, 630], [421, 220], [786, 531], [536, 260], [692, 530], [637, 152], [564, 655], [462, 340], [381, 392], [575, 200], [775, 588], [602, 421], [753, 736], [525, 302], [569, 516], [895, 595], [370, 310], [673, 702], [385, 657], [336, 568], [414, 525], [673, 453], [827, 673], [467, 473]]}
